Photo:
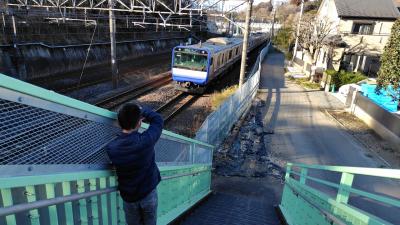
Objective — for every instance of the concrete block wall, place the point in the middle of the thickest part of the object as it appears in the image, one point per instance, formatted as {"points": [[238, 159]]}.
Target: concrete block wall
{"points": [[384, 123]]}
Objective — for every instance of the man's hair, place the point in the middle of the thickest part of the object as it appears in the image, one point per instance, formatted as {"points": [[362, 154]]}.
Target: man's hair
{"points": [[129, 116]]}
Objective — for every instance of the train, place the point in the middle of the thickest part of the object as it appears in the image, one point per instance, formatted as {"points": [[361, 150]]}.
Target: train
{"points": [[195, 66]]}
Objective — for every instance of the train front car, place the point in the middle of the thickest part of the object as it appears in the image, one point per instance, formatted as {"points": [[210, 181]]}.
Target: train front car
{"points": [[190, 69]]}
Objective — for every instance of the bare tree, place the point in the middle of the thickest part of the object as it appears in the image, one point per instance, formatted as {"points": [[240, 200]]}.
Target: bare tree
{"points": [[315, 33]]}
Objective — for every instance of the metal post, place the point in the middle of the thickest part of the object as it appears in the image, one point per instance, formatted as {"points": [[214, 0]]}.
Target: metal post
{"points": [[4, 27], [273, 26], [245, 43], [114, 66], [228, 32], [14, 30], [298, 31]]}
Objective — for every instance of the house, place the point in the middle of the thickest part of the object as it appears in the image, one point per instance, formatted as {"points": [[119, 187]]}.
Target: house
{"points": [[363, 28], [397, 4]]}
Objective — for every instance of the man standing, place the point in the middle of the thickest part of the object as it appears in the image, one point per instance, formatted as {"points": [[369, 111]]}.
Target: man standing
{"points": [[132, 154]]}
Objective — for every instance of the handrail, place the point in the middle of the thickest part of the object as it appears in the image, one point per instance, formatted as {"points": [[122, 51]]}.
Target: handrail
{"points": [[344, 187], [387, 173], [379, 198], [53, 201], [74, 197], [32, 90], [20, 181]]}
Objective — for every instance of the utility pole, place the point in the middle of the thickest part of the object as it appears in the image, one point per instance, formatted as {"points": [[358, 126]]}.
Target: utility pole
{"points": [[114, 66], [273, 25], [298, 31], [245, 42]]}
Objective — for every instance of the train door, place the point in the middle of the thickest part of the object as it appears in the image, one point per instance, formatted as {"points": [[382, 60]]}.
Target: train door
{"points": [[211, 68]]}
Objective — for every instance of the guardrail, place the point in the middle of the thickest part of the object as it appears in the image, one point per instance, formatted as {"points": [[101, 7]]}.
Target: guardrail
{"points": [[305, 198], [54, 168], [92, 197], [218, 124]]}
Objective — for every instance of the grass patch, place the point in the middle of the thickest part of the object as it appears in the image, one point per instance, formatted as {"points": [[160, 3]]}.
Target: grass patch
{"points": [[218, 98], [304, 82]]}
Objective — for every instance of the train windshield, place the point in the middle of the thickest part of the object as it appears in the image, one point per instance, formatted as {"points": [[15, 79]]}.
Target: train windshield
{"points": [[190, 59]]}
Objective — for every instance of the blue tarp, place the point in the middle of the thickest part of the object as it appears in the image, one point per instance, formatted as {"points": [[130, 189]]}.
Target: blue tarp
{"points": [[383, 99]]}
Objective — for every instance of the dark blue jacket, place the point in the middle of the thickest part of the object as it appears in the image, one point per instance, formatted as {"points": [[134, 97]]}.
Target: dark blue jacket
{"points": [[134, 159]]}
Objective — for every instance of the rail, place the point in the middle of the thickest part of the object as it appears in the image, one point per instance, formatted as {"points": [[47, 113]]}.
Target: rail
{"points": [[175, 105], [54, 169], [117, 99], [311, 195]]}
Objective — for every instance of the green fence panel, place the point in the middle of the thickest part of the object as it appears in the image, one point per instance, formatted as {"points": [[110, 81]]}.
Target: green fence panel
{"points": [[181, 187], [54, 149], [305, 204]]}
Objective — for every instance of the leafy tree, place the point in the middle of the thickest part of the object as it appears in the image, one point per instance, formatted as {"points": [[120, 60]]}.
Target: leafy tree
{"points": [[389, 73], [284, 38]]}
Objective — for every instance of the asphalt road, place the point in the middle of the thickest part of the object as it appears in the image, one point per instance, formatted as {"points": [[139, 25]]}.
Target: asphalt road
{"points": [[303, 133]]}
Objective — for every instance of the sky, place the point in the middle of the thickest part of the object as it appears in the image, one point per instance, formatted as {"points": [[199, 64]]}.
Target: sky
{"points": [[229, 4]]}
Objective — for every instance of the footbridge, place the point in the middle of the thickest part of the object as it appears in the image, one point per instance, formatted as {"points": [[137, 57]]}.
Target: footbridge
{"points": [[54, 170]]}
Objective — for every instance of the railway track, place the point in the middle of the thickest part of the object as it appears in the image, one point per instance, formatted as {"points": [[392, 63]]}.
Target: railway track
{"points": [[112, 102], [175, 105], [83, 85]]}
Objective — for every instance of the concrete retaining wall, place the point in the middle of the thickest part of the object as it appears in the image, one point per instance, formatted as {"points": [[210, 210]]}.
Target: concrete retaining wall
{"points": [[384, 123], [32, 61]]}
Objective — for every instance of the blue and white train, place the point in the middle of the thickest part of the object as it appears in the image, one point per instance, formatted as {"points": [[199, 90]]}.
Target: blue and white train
{"points": [[195, 66]]}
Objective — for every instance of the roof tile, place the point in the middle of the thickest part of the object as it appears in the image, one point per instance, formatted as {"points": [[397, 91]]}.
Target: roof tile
{"points": [[384, 9]]}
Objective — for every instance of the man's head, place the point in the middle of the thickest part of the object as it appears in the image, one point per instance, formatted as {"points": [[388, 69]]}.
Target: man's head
{"points": [[129, 117]]}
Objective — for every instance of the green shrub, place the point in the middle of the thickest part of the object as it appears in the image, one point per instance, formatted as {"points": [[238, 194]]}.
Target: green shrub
{"points": [[342, 78], [283, 38], [330, 72]]}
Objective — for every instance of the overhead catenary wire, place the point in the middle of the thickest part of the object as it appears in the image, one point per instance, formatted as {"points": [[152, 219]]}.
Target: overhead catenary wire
{"points": [[88, 51]]}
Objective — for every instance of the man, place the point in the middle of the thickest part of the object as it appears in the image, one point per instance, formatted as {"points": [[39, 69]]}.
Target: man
{"points": [[132, 154]]}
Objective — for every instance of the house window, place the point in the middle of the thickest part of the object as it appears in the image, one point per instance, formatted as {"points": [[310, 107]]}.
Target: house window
{"points": [[363, 28]]}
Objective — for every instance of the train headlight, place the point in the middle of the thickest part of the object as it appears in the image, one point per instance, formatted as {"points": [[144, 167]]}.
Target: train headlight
{"points": [[203, 52]]}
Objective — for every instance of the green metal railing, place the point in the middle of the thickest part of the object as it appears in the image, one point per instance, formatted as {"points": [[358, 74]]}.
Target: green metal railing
{"points": [[54, 169], [304, 203], [91, 197]]}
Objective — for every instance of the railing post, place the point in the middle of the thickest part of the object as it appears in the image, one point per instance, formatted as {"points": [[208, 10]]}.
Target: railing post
{"points": [[346, 181], [288, 170], [303, 175], [192, 148]]}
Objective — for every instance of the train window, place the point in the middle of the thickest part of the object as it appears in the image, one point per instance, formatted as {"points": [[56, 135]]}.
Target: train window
{"points": [[189, 60], [237, 50], [211, 61], [230, 54]]}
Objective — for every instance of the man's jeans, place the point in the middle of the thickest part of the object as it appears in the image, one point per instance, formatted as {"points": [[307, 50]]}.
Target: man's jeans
{"points": [[143, 212]]}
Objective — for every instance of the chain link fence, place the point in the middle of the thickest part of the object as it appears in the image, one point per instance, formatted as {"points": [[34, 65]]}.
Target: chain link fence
{"points": [[40, 127], [218, 124]]}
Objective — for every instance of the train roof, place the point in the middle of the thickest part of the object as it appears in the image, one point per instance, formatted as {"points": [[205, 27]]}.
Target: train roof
{"points": [[217, 44]]}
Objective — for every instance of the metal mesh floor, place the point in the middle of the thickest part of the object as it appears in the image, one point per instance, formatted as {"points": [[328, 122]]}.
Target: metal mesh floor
{"points": [[231, 209]]}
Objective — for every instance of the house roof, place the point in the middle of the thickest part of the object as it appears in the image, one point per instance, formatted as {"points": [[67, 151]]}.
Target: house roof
{"points": [[383, 9]]}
